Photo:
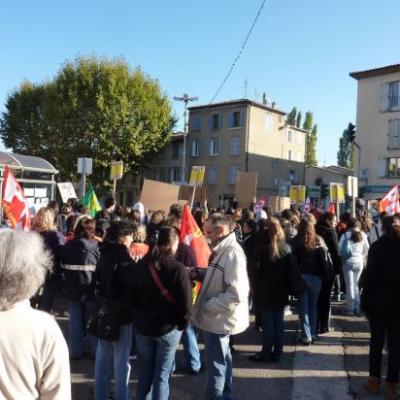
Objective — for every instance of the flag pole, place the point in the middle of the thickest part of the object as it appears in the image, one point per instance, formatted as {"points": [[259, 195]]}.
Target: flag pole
{"points": [[192, 199]]}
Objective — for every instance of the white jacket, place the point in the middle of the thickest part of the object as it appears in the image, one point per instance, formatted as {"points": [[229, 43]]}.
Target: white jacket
{"points": [[222, 304]]}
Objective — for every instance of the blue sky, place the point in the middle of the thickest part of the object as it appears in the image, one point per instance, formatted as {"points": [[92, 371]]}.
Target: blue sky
{"points": [[300, 52]]}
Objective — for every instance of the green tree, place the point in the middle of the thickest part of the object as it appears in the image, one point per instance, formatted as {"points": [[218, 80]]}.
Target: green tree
{"points": [[291, 117], [346, 153], [94, 107], [311, 146], [308, 121], [298, 119]]}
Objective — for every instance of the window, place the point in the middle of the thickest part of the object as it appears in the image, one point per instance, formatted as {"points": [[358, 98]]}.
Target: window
{"points": [[232, 172], [269, 123], [212, 175], [394, 93], [289, 155], [195, 122], [393, 167], [162, 174], [289, 136], [215, 121], [299, 138], [176, 174], [293, 177], [235, 119], [175, 150], [195, 148], [394, 134], [213, 147], [235, 146]]}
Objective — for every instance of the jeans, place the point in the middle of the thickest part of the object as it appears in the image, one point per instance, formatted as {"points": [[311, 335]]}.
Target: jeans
{"points": [[273, 331], [78, 314], [308, 307], [218, 367], [379, 329], [191, 349], [156, 357], [109, 356], [352, 274]]}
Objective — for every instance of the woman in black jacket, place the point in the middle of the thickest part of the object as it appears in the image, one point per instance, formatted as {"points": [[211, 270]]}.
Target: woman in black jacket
{"points": [[380, 301], [162, 302], [326, 228], [113, 281], [273, 284], [79, 257]]}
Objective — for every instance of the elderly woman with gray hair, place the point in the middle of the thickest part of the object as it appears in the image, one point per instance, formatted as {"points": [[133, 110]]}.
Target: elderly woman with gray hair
{"points": [[33, 354]]}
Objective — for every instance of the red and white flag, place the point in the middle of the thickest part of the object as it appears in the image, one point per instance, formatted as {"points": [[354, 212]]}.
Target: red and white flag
{"points": [[14, 202], [390, 203]]}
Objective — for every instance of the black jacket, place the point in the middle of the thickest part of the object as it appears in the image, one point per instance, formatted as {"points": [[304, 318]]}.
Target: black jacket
{"points": [[381, 281], [154, 315], [275, 278], [186, 255], [331, 240], [54, 241], [249, 244], [113, 276], [78, 259]]}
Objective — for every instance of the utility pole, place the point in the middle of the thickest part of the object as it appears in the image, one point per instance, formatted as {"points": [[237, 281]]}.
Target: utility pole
{"points": [[185, 98]]}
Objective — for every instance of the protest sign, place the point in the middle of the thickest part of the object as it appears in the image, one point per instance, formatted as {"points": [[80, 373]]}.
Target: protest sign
{"points": [[246, 188], [197, 176], [159, 195], [67, 191]]}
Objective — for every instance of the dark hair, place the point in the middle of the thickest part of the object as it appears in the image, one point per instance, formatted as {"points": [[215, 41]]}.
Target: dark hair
{"points": [[307, 236], [102, 225], [71, 219], [325, 217], [118, 230], [174, 223], [248, 214], [251, 224], [200, 216], [167, 235], [109, 202], [391, 227], [355, 227], [54, 205], [176, 210], [85, 228], [288, 214], [134, 217], [345, 217]]}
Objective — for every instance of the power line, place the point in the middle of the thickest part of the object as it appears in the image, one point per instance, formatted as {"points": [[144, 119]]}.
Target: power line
{"points": [[240, 52]]}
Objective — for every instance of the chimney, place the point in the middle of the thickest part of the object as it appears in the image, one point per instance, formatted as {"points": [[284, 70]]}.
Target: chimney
{"points": [[273, 104], [264, 100]]}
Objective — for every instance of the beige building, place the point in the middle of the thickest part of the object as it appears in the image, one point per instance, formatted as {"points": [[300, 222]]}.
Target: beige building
{"points": [[243, 135], [378, 129]]}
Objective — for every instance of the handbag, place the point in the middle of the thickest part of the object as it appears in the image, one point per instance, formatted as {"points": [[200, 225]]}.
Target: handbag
{"points": [[105, 323], [327, 271], [346, 251], [163, 290]]}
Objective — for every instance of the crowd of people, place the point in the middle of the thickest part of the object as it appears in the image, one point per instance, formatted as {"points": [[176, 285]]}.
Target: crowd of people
{"points": [[128, 280]]}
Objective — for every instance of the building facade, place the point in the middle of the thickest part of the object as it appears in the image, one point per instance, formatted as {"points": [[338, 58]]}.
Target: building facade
{"points": [[378, 129], [243, 135]]}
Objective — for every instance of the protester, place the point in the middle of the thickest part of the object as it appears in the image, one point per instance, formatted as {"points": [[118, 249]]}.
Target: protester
{"points": [[138, 247], [108, 211], [354, 249], [162, 301], [380, 301], [275, 272], [78, 260], [66, 211], [221, 309], [310, 257], [33, 354], [113, 278], [326, 228], [44, 224], [157, 220]]}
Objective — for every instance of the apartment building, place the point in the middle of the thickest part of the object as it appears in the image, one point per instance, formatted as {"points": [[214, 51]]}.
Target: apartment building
{"points": [[243, 135], [378, 129]]}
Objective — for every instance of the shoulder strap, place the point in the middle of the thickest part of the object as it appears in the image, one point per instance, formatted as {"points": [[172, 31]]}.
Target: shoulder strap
{"points": [[163, 290]]}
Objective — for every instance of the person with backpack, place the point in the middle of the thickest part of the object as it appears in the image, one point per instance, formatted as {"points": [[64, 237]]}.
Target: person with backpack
{"points": [[354, 248]]}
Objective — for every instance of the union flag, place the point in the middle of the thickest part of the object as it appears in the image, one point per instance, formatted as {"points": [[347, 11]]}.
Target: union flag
{"points": [[14, 202]]}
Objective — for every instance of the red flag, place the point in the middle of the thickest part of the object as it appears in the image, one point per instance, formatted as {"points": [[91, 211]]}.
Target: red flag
{"points": [[390, 203], [14, 202], [192, 236], [331, 208]]}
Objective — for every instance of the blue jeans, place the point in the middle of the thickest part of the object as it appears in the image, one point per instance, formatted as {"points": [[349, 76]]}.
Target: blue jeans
{"points": [[218, 367], [190, 348], [308, 307], [351, 274], [78, 314], [273, 330], [156, 357], [109, 356]]}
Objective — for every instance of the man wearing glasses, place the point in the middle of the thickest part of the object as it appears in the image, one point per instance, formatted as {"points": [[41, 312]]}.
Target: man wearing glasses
{"points": [[221, 308]]}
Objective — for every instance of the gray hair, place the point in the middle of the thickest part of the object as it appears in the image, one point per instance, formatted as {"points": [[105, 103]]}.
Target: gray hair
{"points": [[219, 219], [24, 264]]}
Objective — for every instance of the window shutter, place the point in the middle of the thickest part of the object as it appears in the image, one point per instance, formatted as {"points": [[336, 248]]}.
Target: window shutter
{"points": [[209, 147], [396, 133], [241, 122], [382, 168], [384, 97], [210, 123], [220, 120], [230, 120], [219, 146]]}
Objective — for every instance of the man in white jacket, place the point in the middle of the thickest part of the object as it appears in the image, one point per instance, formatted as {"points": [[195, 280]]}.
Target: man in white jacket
{"points": [[221, 308]]}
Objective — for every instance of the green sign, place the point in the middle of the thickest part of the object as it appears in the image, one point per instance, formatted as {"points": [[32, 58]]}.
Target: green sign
{"points": [[313, 192]]}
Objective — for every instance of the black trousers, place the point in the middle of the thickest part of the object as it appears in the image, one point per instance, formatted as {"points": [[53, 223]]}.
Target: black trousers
{"points": [[380, 330], [324, 305]]}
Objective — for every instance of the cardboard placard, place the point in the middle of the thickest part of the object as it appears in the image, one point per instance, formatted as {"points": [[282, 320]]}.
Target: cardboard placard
{"points": [[185, 193], [67, 191], [278, 204], [246, 188], [159, 195]]}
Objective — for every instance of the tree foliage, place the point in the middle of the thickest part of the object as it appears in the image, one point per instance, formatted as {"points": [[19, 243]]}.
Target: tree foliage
{"points": [[94, 107], [298, 119], [308, 121], [291, 117], [311, 146], [346, 153]]}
